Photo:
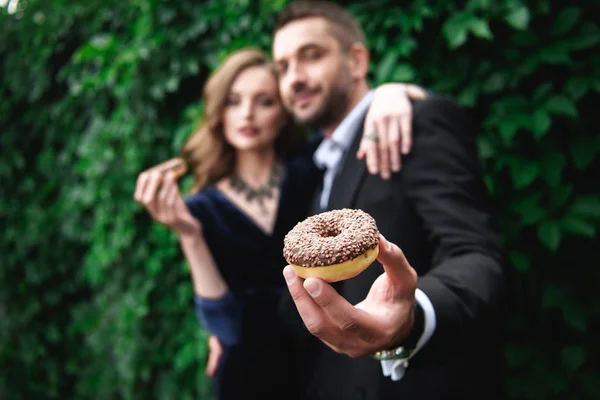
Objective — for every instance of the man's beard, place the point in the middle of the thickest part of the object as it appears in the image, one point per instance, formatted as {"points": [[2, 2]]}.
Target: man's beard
{"points": [[333, 105]]}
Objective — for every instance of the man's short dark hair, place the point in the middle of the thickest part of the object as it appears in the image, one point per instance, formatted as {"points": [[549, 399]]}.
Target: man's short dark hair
{"points": [[344, 27]]}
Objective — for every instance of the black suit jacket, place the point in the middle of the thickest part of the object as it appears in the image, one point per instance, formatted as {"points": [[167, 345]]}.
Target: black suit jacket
{"points": [[436, 210]]}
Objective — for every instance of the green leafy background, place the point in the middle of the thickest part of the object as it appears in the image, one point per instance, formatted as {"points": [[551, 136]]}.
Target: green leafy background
{"points": [[96, 300]]}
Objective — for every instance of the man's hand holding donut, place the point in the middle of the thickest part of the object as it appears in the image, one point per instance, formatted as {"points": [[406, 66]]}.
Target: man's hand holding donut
{"points": [[381, 321]]}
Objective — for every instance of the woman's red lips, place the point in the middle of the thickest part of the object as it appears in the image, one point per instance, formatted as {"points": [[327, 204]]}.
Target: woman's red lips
{"points": [[247, 131]]}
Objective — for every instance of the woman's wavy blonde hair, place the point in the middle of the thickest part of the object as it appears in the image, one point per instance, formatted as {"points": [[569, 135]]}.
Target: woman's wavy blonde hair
{"points": [[207, 153]]}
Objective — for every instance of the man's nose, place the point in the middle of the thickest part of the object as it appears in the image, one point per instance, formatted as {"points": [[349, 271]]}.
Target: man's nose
{"points": [[296, 75]]}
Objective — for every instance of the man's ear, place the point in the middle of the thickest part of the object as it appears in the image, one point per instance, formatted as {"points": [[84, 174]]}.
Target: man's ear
{"points": [[359, 57]]}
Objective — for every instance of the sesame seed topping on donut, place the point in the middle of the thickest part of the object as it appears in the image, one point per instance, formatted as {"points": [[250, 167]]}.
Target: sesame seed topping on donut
{"points": [[330, 238]]}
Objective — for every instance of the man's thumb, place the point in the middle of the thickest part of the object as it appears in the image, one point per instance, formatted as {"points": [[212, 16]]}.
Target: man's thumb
{"points": [[394, 262]]}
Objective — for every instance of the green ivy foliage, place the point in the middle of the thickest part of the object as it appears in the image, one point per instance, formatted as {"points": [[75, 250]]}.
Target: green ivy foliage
{"points": [[95, 298]]}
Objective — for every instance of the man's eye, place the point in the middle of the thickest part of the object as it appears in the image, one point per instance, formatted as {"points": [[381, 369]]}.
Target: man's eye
{"points": [[281, 68], [312, 55]]}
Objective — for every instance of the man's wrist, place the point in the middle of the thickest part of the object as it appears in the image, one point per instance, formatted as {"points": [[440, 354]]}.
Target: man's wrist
{"points": [[417, 328], [407, 346]]}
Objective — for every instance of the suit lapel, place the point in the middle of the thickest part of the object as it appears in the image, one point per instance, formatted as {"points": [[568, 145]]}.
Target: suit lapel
{"points": [[345, 185]]}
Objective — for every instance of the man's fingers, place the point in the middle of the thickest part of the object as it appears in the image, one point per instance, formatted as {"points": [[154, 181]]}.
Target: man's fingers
{"points": [[313, 316], [343, 315], [395, 263]]}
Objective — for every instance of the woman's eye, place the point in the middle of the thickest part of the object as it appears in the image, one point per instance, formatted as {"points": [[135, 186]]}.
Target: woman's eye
{"points": [[266, 102], [230, 101]]}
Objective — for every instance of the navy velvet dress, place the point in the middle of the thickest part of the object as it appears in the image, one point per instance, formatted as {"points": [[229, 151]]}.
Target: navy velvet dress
{"points": [[258, 356]]}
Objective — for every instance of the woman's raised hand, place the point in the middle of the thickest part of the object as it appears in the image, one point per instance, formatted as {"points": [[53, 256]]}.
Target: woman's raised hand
{"points": [[162, 199]]}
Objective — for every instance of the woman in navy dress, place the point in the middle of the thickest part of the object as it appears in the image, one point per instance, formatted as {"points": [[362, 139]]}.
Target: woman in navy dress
{"points": [[254, 180]]}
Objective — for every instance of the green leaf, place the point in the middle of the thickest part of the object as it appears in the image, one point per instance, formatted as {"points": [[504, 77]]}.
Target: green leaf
{"points": [[520, 261], [102, 41], [172, 84], [588, 37], [403, 73], [573, 357], [541, 122], [561, 105], [529, 208], [386, 66], [578, 86], [552, 167], [494, 83], [524, 173], [583, 150], [455, 29], [518, 18], [479, 4], [596, 85], [185, 356], [481, 29], [468, 96], [484, 147], [542, 91], [406, 46], [555, 295], [559, 197], [508, 129], [549, 235], [586, 207], [512, 123], [554, 55], [565, 21], [574, 315], [578, 226]]}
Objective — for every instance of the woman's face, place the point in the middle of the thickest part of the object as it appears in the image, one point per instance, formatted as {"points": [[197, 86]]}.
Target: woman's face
{"points": [[253, 114]]}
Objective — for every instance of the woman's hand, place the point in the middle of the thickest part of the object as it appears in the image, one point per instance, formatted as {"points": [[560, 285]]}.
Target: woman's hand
{"points": [[387, 131], [215, 350], [161, 197]]}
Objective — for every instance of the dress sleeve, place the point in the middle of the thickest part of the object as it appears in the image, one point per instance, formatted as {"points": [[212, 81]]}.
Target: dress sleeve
{"points": [[221, 317], [199, 206]]}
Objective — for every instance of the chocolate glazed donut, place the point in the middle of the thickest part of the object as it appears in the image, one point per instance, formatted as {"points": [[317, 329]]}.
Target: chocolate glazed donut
{"points": [[334, 245]]}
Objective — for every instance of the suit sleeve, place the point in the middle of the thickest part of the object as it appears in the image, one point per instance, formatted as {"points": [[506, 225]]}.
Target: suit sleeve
{"points": [[467, 283]]}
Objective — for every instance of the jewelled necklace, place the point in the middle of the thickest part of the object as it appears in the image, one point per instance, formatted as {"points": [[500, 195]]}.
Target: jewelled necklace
{"points": [[240, 186]]}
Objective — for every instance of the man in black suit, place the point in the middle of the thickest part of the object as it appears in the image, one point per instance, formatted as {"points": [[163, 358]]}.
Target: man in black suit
{"points": [[424, 322]]}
